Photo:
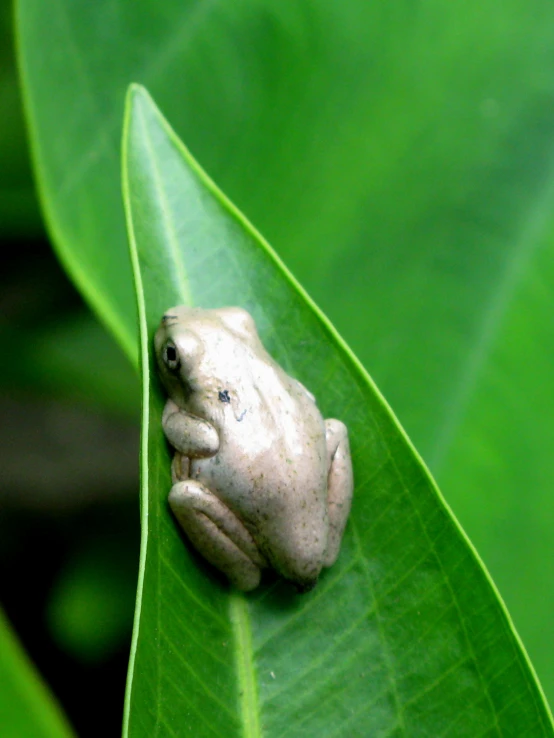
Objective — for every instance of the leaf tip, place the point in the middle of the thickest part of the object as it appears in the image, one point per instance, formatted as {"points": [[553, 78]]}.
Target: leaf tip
{"points": [[136, 91]]}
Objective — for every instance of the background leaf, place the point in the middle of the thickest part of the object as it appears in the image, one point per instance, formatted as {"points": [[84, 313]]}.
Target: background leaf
{"points": [[399, 157], [75, 359], [19, 212], [26, 706], [405, 635]]}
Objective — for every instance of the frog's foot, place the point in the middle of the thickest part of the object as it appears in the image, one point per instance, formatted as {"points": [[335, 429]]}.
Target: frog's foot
{"points": [[339, 485], [217, 533], [304, 587], [180, 468]]}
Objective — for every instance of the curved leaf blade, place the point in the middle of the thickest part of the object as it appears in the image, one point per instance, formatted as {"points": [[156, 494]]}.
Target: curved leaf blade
{"points": [[405, 635], [26, 706]]}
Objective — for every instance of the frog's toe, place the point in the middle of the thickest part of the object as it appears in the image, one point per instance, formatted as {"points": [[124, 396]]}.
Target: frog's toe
{"points": [[245, 578]]}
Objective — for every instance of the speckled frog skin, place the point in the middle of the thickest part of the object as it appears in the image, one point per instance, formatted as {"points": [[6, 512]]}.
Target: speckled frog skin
{"points": [[259, 478]]}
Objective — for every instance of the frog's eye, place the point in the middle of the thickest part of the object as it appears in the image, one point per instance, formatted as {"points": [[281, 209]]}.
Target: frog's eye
{"points": [[170, 356]]}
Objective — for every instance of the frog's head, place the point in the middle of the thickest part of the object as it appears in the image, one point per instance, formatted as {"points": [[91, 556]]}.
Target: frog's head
{"points": [[196, 348], [178, 352]]}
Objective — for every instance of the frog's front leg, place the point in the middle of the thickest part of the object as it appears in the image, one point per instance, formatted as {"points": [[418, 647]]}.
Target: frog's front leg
{"points": [[339, 485], [217, 533], [191, 436]]}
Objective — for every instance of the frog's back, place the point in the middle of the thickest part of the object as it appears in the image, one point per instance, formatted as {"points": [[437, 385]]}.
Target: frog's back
{"points": [[271, 468], [271, 433]]}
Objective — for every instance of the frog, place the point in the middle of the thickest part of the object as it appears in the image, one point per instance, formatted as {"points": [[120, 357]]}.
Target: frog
{"points": [[259, 479]]}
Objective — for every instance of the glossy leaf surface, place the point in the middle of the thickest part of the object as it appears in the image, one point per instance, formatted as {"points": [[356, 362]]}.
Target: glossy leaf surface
{"points": [[405, 635]]}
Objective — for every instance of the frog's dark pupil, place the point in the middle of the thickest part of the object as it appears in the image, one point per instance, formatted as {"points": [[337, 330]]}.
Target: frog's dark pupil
{"points": [[171, 353]]}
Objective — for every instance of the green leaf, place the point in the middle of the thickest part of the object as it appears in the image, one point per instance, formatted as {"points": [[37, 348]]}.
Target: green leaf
{"points": [[495, 454], [405, 635], [19, 213], [26, 706], [399, 158]]}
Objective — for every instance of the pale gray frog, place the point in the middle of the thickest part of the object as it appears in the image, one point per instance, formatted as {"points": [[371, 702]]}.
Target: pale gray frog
{"points": [[259, 478]]}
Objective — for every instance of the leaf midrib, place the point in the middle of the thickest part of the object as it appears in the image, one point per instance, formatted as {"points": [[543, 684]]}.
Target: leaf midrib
{"points": [[244, 662]]}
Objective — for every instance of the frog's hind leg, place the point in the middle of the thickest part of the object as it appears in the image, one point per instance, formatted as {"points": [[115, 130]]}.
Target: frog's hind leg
{"points": [[217, 533], [339, 485]]}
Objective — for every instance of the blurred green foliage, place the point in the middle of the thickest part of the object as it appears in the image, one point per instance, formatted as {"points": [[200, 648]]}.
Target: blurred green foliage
{"points": [[399, 158], [91, 603], [19, 213], [26, 707]]}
